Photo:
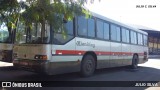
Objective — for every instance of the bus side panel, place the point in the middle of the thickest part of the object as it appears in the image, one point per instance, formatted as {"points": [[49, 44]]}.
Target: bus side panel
{"points": [[126, 53], [141, 54], [100, 48], [116, 57], [137, 49], [64, 58], [65, 64], [103, 54]]}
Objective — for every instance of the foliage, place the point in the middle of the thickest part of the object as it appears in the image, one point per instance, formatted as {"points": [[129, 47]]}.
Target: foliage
{"points": [[41, 11], [9, 14]]}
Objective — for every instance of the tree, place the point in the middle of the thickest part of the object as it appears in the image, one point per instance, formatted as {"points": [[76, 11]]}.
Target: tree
{"points": [[42, 11], [9, 13]]}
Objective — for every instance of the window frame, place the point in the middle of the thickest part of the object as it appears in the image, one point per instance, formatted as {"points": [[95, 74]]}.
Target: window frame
{"points": [[77, 28], [105, 22], [142, 42], [116, 33], [73, 35], [85, 36], [102, 29], [128, 37], [135, 39], [94, 28]]}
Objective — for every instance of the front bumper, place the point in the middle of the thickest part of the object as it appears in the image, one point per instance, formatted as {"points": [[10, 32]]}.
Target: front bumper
{"points": [[40, 66], [47, 67]]}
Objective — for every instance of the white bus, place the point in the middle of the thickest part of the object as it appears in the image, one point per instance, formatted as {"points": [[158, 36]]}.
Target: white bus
{"points": [[6, 44], [86, 45]]}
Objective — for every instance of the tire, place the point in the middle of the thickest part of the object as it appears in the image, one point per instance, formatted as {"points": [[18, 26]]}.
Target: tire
{"points": [[135, 60], [88, 66]]}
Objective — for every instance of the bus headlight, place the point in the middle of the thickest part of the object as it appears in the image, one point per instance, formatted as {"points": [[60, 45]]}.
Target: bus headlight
{"points": [[41, 57]]}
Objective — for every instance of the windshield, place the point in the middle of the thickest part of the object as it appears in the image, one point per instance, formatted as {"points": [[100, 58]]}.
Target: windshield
{"points": [[4, 34], [34, 35]]}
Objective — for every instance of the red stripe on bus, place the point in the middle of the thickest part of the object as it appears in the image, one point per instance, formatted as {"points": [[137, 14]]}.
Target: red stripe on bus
{"points": [[79, 52], [63, 52], [102, 53]]}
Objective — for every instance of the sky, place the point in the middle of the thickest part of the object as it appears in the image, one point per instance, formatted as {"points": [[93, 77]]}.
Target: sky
{"points": [[125, 11]]}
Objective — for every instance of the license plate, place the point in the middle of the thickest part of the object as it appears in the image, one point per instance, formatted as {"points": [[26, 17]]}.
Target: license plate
{"points": [[24, 63]]}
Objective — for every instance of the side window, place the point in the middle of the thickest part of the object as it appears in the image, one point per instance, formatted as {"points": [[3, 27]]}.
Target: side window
{"points": [[64, 34], [91, 27], [82, 26], [118, 34], [99, 29], [69, 27], [115, 33], [133, 37], [125, 35], [106, 31], [140, 40], [145, 39]]}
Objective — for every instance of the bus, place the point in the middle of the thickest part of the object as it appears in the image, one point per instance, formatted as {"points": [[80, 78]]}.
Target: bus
{"points": [[6, 44], [81, 45]]}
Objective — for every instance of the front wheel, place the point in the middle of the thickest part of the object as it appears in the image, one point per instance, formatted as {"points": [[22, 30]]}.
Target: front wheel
{"points": [[88, 66], [135, 62]]}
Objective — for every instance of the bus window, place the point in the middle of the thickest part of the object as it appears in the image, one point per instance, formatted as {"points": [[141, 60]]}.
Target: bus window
{"points": [[69, 27], [33, 35], [133, 37], [145, 39], [125, 35], [140, 40], [64, 34], [37, 35], [99, 29], [4, 34], [115, 33], [20, 33], [106, 31], [82, 26], [91, 28]]}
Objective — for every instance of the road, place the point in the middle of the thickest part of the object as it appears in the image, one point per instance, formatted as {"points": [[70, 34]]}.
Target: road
{"points": [[149, 71]]}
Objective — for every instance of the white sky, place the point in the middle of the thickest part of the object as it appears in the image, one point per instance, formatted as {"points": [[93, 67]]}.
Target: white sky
{"points": [[125, 11]]}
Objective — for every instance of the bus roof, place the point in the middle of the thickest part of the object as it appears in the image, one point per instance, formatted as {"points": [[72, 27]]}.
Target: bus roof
{"points": [[117, 23]]}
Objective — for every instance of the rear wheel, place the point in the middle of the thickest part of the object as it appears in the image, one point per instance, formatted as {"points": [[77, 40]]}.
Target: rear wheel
{"points": [[88, 66], [135, 60]]}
